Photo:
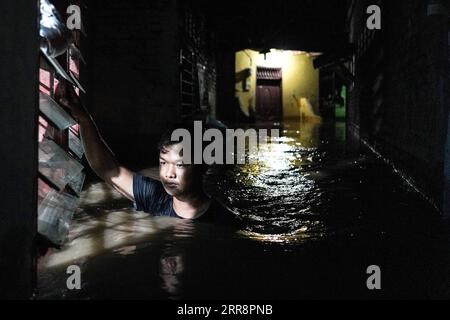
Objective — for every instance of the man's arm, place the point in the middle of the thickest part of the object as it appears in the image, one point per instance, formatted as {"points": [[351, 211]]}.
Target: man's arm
{"points": [[100, 157]]}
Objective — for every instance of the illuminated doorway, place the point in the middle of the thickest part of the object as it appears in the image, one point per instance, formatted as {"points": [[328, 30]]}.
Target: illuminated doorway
{"points": [[269, 106]]}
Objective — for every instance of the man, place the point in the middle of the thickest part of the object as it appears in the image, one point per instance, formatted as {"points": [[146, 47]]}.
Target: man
{"points": [[179, 193]]}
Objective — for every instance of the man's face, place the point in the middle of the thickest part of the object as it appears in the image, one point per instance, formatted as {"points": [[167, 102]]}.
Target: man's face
{"points": [[176, 177]]}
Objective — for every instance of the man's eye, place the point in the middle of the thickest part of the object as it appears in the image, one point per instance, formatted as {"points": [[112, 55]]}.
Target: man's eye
{"points": [[180, 165], [162, 163]]}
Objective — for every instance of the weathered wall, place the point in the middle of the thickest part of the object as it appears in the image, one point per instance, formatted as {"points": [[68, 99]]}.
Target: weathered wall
{"points": [[400, 101], [19, 56], [134, 78], [135, 68], [227, 108]]}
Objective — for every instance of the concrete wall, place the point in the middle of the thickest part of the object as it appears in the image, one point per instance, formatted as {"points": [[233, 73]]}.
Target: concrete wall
{"points": [[134, 70], [134, 78], [18, 146], [299, 78], [400, 100], [226, 105]]}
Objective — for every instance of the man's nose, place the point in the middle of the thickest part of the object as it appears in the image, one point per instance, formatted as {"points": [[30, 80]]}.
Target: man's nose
{"points": [[171, 172]]}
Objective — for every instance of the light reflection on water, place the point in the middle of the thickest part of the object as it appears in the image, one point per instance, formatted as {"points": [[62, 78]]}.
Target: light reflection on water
{"points": [[274, 193]]}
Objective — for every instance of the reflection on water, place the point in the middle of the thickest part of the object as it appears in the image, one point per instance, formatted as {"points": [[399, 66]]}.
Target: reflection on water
{"points": [[171, 269], [275, 194], [317, 215]]}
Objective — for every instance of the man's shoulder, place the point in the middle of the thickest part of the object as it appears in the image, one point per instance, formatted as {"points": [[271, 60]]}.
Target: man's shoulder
{"points": [[143, 177], [141, 181], [149, 195]]}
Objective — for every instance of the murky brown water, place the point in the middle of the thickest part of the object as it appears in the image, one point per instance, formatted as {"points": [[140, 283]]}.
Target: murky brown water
{"points": [[316, 216]]}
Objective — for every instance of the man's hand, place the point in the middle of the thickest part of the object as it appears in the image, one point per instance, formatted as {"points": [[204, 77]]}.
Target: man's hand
{"points": [[67, 97], [100, 157]]}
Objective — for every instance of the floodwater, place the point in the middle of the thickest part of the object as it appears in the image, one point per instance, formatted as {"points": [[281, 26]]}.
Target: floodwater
{"points": [[317, 214]]}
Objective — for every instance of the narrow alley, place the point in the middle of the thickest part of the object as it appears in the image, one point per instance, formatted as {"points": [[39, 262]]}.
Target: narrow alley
{"points": [[348, 198]]}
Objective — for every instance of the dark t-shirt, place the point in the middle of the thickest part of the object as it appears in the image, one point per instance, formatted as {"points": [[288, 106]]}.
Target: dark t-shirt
{"points": [[151, 197]]}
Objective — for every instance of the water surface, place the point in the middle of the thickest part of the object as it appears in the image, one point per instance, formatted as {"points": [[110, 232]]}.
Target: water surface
{"points": [[317, 213]]}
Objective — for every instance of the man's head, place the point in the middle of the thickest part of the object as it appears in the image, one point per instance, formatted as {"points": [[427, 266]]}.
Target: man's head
{"points": [[178, 178]]}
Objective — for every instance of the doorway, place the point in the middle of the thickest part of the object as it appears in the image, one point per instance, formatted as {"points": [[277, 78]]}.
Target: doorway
{"points": [[268, 94]]}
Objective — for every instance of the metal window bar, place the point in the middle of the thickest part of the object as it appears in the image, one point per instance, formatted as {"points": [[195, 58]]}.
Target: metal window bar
{"points": [[60, 174], [75, 144], [54, 215], [187, 93], [77, 183], [56, 165], [54, 112], [58, 68]]}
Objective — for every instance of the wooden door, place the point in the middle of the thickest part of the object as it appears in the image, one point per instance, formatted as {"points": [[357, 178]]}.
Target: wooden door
{"points": [[269, 95]]}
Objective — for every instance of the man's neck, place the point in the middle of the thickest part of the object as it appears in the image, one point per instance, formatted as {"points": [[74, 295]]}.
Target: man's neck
{"points": [[191, 206]]}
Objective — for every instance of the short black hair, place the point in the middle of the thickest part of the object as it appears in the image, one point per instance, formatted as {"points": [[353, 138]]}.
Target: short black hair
{"points": [[166, 138]]}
